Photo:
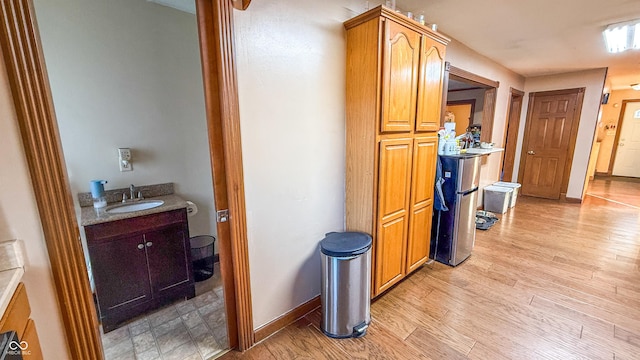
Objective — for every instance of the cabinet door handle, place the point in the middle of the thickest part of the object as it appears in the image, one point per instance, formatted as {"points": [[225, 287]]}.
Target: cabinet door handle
{"points": [[149, 243], [531, 152], [140, 246]]}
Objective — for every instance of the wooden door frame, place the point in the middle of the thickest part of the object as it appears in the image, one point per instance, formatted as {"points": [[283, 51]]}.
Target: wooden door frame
{"points": [[614, 152], [35, 117], [509, 156], [572, 140], [491, 89]]}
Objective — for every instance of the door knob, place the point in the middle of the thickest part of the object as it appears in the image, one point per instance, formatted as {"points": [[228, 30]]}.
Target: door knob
{"points": [[149, 243], [531, 152], [140, 246]]}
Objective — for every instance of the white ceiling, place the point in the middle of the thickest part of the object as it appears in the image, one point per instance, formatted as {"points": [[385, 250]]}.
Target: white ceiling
{"points": [[538, 37]]}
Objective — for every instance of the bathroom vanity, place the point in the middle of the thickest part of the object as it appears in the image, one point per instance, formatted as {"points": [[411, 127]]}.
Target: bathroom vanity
{"points": [[139, 263]]}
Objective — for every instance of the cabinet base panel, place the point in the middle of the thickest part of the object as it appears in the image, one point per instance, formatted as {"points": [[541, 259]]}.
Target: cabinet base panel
{"points": [[115, 319]]}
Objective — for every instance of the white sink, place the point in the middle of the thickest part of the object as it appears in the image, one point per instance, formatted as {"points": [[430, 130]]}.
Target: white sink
{"points": [[134, 206]]}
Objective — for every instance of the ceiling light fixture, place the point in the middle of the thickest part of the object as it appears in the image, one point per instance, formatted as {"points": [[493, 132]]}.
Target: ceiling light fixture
{"points": [[622, 36], [635, 86]]}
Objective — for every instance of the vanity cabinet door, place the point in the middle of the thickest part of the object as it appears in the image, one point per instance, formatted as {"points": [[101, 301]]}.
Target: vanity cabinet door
{"points": [[119, 268], [168, 253]]}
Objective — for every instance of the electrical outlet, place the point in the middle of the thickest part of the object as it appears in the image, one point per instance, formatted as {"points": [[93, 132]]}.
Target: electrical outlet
{"points": [[124, 159]]}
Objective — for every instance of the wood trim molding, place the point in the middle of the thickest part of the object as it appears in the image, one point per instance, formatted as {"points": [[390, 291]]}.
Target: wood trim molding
{"points": [[385, 12], [215, 22], [516, 92], [22, 53], [572, 200], [489, 110], [577, 112], [473, 88], [525, 136], [471, 77], [514, 111], [241, 4], [268, 329]]}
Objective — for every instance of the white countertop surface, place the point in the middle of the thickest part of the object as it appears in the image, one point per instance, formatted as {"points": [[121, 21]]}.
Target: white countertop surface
{"points": [[88, 215], [9, 280], [11, 271], [482, 151]]}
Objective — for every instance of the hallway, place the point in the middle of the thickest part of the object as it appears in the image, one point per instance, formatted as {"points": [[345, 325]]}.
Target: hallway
{"points": [[616, 189], [550, 280]]}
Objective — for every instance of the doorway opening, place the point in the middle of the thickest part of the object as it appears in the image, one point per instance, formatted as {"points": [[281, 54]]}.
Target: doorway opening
{"points": [[467, 92], [36, 119], [625, 158]]}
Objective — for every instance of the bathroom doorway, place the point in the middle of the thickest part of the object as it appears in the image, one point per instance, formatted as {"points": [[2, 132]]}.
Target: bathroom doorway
{"points": [[128, 74]]}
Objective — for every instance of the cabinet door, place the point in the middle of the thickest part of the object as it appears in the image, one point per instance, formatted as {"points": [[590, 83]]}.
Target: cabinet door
{"points": [[430, 85], [393, 203], [421, 208], [399, 77], [168, 252], [33, 342], [119, 269]]}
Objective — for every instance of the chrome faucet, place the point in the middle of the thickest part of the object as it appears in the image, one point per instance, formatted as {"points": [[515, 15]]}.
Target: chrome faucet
{"points": [[132, 192]]}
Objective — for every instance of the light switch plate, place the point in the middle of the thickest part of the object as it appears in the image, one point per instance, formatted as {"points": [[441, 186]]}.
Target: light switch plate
{"points": [[124, 159]]}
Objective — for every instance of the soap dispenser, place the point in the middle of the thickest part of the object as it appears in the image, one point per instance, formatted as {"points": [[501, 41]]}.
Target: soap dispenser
{"points": [[97, 192]]}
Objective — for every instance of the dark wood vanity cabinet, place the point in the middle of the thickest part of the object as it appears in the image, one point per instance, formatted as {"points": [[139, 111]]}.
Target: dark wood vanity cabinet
{"points": [[139, 264]]}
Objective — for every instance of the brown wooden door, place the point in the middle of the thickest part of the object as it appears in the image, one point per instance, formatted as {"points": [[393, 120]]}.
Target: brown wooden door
{"points": [[430, 85], [400, 78], [547, 144], [393, 214], [421, 205]]}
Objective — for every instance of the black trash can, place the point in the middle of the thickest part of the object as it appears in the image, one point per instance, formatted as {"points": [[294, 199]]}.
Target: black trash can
{"points": [[346, 279], [202, 256]]}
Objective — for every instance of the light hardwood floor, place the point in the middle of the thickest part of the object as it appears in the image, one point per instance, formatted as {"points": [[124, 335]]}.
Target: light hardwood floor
{"points": [[549, 281]]}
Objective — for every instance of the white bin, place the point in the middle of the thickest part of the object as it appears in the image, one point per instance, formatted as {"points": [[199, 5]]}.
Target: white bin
{"points": [[514, 186], [497, 198]]}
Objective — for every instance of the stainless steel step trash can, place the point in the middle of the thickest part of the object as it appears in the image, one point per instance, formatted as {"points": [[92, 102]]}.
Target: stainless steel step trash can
{"points": [[346, 284]]}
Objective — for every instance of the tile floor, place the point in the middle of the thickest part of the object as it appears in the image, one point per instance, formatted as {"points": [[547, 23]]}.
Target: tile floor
{"points": [[194, 329]]}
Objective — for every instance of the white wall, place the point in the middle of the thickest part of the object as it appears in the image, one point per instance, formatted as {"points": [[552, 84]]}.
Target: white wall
{"points": [[467, 59], [19, 219], [126, 73], [593, 81], [291, 78]]}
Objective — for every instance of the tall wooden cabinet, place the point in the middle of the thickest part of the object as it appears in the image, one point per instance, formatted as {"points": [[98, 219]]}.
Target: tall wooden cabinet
{"points": [[395, 69]]}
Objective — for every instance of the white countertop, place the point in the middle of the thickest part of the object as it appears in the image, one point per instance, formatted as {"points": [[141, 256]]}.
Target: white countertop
{"points": [[11, 271], [482, 151], [9, 280]]}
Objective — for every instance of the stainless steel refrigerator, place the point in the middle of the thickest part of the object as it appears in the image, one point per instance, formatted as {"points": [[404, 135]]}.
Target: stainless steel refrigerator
{"points": [[454, 230]]}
